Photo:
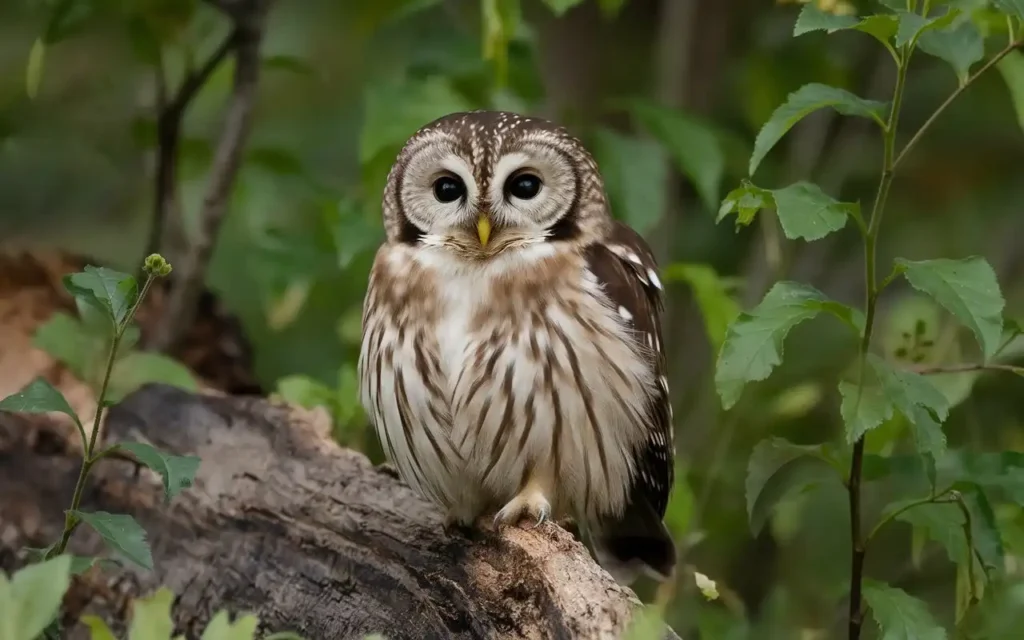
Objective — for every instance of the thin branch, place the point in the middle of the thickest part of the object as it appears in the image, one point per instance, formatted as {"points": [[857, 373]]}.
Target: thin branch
{"points": [[967, 367], [953, 96], [188, 286]]}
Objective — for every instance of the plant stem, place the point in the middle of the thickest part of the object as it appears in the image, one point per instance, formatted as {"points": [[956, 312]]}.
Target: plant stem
{"points": [[70, 522], [908, 506], [953, 96], [871, 299], [967, 367]]}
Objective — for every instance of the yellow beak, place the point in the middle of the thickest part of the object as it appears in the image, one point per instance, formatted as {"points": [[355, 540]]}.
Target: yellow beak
{"points": [[483, 229]]}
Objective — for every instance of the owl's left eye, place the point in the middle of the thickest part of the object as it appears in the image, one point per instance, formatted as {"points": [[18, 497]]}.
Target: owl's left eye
{"points": [[523, 186]]}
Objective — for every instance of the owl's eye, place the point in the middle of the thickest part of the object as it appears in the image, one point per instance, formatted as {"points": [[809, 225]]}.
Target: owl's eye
{"points": [[523, 186], [449, 189]]}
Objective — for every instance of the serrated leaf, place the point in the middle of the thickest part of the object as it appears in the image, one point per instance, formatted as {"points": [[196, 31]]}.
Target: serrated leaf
{"points": [[776, 469], [34, 68], [862, 412], [1011, 68], [1010, 7], [717, 306], [968, 289], [881, 27], [899, 615], [753, 343], [559, 7], [151, 616], [178, 472], [221, 627], [745, 201], [804, 101], [807, 212], [913, 25], [121, 533], [39, 396], [38, 590], [961, 45], [110, 291], [921, 403], [144, 367], [691, 142], [812, 18], [999, 474], [634, 170], [98, 629]]}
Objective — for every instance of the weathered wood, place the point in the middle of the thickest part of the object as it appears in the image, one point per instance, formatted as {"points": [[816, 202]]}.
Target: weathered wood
{"points": [[285, 523]]}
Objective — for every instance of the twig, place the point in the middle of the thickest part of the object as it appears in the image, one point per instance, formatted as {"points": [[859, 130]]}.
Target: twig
{"points": [[966, 367], [953, 96], [188, 287], [170, 114]]}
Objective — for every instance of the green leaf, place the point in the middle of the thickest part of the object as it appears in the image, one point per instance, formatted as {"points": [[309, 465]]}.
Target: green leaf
{"points": [[34, 68], [121, 533], [921, 403], [753, 343], [39, 396], [745, 201], [862, 414], [559, 7], [777, 468], [151, 616], [98, 629], [968, 289], [999, 474], [692, 143], [804, 101], [881, 27], [961, 45], [812, 18], [717, 306], [805, 211], [221, 627], [899, 615], [634, 171], [1012, 69], [913, 25], [1011, 7], [36, 593], [178, 472], [139, 368], [68, 341], [110, 291], [611, 8]]}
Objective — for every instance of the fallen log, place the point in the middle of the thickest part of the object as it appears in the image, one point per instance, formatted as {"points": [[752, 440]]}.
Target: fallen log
{"points": [[284, 523]]}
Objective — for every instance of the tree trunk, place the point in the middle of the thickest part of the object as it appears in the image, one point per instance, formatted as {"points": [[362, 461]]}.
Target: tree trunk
{"points": [[284, 523]]}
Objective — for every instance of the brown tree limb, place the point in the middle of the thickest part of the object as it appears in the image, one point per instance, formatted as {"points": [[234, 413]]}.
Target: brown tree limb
{"points": [[311, 537], [190, 270]]}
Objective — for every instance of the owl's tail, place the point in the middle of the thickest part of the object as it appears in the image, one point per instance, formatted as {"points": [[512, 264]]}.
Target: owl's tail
{"points": [[635, 543]]}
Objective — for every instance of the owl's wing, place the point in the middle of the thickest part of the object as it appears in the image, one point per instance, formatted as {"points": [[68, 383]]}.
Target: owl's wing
{"points": [[628, 272]]}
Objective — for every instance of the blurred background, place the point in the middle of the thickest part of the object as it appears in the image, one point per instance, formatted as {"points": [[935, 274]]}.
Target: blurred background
{"points": [[669, 95]]}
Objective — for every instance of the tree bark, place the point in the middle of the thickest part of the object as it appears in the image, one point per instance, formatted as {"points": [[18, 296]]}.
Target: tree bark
{"points": [[284, 523]]}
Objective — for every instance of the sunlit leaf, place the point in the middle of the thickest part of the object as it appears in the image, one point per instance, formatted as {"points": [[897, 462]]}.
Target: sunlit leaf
{"points": [[121, 533], [805, 101], [777, 469], [899, 615], [98, 629], [39, 396], [222, 628], [961, 45], [717, 305], [754, 341], [38, 590], [812, 18], [151, 616], [691, 142], [635, 171], [1012, 69], [178, 472], [968, 289], [707, 586], [864, 411], [139, 368]]}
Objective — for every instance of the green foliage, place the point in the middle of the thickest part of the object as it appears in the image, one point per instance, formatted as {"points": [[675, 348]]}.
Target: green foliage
{"points": [[805, 211], [1012, 69], [899, 615], [714, 295], [802, 103], [177, 471], [779, 469], [635, 171], [31, 598], [961, 45]]}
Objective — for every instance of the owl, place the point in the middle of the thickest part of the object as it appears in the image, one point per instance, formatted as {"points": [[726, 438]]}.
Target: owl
{"points": [[511, 357]]}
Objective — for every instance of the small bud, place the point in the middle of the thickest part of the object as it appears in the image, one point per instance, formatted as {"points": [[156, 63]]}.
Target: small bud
{"points": [[155, 265], [706, 585]]}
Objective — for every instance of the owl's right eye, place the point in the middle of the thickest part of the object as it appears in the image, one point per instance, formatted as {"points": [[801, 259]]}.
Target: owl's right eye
{"points": [[448, 189]]}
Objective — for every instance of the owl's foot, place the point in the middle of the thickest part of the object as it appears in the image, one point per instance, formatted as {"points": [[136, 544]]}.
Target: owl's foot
{"points": [[530, 504]]}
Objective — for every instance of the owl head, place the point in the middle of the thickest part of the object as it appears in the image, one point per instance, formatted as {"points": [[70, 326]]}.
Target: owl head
{"points": [[483, 183]]}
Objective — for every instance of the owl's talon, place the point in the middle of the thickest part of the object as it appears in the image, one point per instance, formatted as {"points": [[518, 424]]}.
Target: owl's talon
{"points": [[533, 505]]}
